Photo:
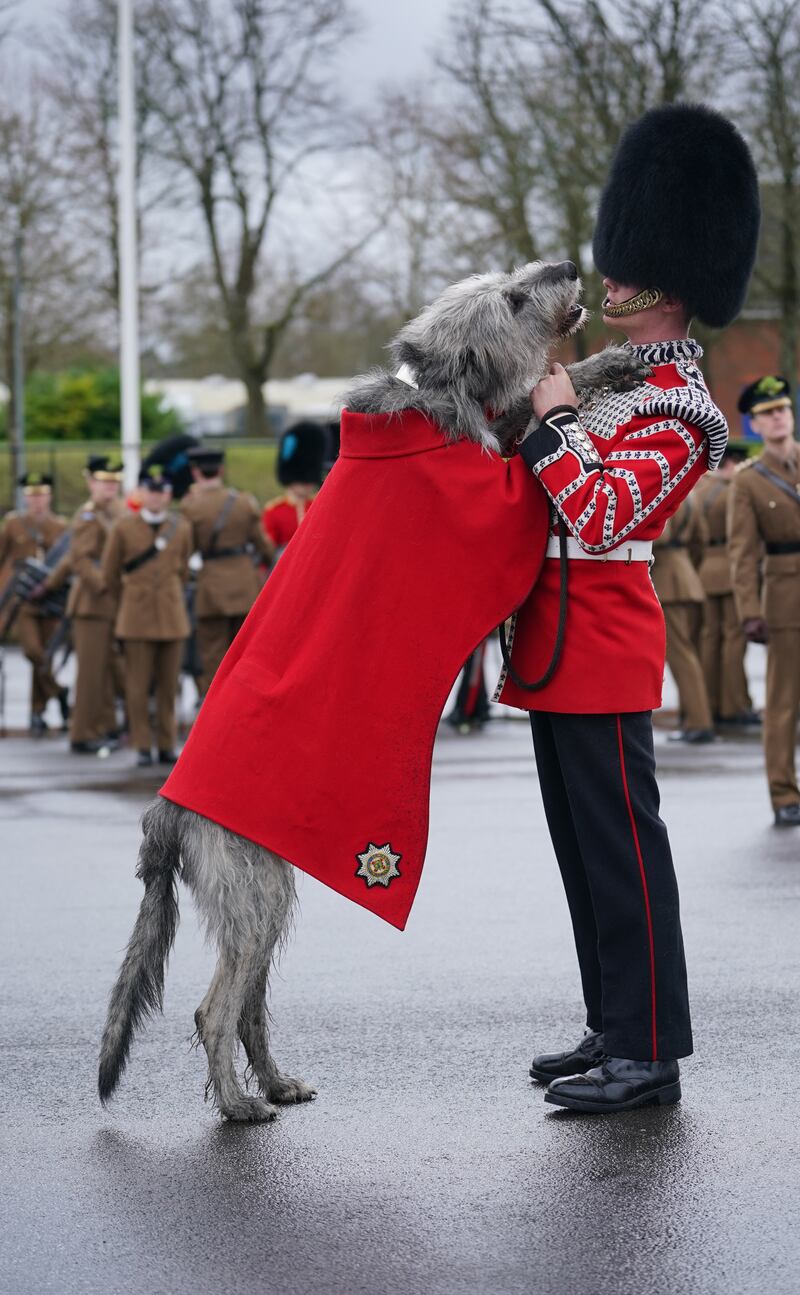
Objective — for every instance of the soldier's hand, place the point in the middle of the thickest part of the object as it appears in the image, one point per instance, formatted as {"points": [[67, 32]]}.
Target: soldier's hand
{"points": [[755, 630], [555, 389]]}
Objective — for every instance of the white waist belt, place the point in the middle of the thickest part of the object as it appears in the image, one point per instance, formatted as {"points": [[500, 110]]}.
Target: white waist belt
{"points": [[633, 551]]}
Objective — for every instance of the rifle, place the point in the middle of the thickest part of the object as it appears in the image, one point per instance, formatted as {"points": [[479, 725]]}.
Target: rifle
{"points": [[62, 637], [27, 576]]}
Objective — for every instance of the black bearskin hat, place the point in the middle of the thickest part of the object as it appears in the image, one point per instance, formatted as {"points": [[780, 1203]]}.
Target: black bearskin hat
{"points": [[680, 211], [301, 454], [172, 452]]}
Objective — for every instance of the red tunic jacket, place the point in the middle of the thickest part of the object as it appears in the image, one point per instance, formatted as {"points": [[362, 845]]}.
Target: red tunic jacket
{"points": [[281, 518], [316, 736], [616, 472]]}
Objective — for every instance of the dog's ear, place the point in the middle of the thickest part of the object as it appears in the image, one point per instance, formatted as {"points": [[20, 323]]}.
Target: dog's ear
{"points": [[405, 352], [465, 363], [516, 298]]}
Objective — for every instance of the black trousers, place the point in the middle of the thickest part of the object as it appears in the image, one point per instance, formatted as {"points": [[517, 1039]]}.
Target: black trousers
{"points": [[597, 775]]}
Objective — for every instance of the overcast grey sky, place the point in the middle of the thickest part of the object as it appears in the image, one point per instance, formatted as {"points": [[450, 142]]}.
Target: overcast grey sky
{"points": [[394, 45]]}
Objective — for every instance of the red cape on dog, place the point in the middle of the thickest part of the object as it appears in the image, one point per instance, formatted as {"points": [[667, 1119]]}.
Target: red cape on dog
{"points": [[316, 737]]}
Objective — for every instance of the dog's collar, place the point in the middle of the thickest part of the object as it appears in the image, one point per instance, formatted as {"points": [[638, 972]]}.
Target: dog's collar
{"points": [[406, 374]]}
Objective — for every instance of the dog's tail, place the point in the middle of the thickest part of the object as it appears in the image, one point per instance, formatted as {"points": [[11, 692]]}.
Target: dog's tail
{"points": [[140, 985]]}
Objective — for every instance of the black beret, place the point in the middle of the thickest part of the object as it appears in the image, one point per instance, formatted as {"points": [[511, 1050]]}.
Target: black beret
{"points": [[100, 466], [769, 392], [36, 482], [202, 456], [154, 477]]}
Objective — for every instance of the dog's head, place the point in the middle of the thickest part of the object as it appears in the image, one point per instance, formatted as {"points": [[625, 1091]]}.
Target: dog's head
{"points": [[488, 337], [476, 351]]}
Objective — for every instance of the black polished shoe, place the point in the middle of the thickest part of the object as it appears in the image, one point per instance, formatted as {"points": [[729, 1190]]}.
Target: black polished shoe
{"points": [[749, 719], [86, 748], [167, 757], [555, 1065], [63, 705], [618, 1084], [742, 719], [143, 759], [38, 726], [693, 736], [787, 816]]}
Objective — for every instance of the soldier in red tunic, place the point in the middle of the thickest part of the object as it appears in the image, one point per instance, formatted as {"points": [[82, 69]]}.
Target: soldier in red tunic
{"points": [[299, 469], [675, 240]]}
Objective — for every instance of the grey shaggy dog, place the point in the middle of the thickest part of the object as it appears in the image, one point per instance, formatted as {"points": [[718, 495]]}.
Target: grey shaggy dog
{"points": [[480, 346]]}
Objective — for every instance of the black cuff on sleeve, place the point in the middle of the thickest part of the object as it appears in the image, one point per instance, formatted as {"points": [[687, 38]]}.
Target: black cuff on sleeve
{"points": [[560, 429]]}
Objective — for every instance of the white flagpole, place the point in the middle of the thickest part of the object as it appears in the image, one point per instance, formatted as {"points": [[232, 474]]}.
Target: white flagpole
{"points": [[128, 254]]}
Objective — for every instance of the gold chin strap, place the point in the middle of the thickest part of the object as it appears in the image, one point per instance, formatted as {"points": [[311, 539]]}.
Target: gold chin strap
{"points": [[643, 300]]}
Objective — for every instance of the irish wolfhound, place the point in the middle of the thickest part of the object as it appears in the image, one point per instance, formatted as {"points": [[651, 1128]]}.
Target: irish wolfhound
{"points": [[480, 346]]}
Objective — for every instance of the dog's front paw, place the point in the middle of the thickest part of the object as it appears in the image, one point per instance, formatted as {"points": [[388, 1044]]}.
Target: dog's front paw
{"points": [[622, 370], [635, 373], [248, 1110], [617, 368], [286, 1091]]}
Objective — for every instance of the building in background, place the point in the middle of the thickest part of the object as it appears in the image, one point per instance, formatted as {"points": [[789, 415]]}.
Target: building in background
{"points": [[216, 406]]}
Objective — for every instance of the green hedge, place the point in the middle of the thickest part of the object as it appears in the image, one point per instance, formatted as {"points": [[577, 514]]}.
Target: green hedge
{"points": [[249, 466], [84, 405]]}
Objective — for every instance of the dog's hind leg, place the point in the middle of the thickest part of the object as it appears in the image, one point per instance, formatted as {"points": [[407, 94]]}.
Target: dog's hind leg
{"points": [[220, 870], [275, 884], [254, 1033], [216, 1020]]}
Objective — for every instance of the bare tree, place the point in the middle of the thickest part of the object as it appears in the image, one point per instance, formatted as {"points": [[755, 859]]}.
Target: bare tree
{"points": [[627, 55], [418, 251], [487, 146], [82, 81], [767, 55], [542, 90], [32, 200], [242, 106], [8, 9]]}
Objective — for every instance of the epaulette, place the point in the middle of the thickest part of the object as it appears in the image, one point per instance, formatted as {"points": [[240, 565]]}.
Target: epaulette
{"points": [[746, 463], [273, 503]]}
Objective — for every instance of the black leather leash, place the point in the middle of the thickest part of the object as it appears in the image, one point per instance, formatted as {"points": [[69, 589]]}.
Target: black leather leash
{"points": [[562, 622]]}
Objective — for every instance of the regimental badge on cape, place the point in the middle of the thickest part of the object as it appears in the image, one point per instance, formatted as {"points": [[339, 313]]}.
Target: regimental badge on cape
{"points": [[378, 865]]}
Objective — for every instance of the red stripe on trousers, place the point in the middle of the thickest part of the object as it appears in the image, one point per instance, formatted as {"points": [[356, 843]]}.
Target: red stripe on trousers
{"points": [[644, 885]]}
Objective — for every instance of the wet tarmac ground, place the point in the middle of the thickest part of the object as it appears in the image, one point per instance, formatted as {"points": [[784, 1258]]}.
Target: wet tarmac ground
{"points": [[429, 1162]]}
